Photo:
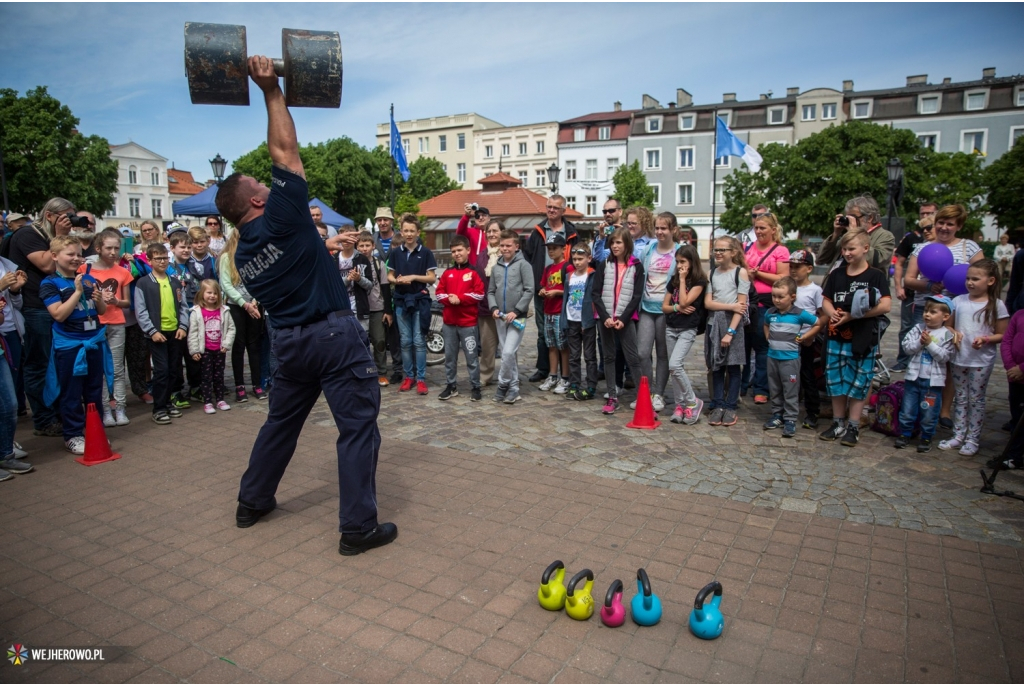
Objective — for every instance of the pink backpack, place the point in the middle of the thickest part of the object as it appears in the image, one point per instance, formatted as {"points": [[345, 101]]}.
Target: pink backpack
{"points": [[887, 409]]}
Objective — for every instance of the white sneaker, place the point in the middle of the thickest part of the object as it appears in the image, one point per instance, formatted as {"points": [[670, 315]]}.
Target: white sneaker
{"points": [[108, 418], [618, 391], [75, 445], [562, 387], [549, 383], [18, 452], [120, 417], [209, 409], [223, 406], [658, 403]]}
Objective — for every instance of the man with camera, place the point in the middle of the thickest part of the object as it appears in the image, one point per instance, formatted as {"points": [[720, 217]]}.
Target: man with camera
{"points": [[612, 219], [475, 233], [860, 212]]}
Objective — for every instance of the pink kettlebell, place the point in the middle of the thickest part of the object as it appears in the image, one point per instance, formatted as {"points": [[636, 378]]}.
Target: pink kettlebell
{"points": [[613, 613]]}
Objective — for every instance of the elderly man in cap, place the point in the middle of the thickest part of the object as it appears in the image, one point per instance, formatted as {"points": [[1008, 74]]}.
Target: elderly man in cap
{"points": [[383, 239], [476, 231]]}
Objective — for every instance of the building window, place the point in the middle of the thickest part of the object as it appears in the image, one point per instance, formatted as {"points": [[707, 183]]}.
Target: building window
{"points": [[776, 116], [505, 151], [928, 104], [1020, 96], [687, 122], [722, 162], [654, 124], [828, 110], [860, 109], [579, 135], [726, 117], [973, 142], [113, 207], [591, 205], [154, 177], [442, 143], [570, 170], [657, 193], [405, 147], [974, 100], [929, 140], [684, 160], [133, 175], [444, 168], [652, 159], [684, 193], [158, 207], [719, 194], [1015, 133], [542, 178], [808, 113], [613, 166], [604, 133], [591, 170], [570, 202], [540, 147], [524, 178], [488, 151], [462, 141], [424, 144], [522, 148], [460, 170], [133, 207]]}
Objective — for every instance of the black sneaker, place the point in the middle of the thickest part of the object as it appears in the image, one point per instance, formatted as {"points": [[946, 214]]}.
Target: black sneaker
{"points": [[789, 429], [396, 378], [628, 383], [902, 442], [925, 445], [246, 516], [174, 412], [161, 417], [449, 392], [537, 376], [835, 431], [773, 423], [196, 394], [810, 422], [240, 395], [946, 423], [475, 395], [352, 544], [53, 430], [850, 437], [1000, 464]]}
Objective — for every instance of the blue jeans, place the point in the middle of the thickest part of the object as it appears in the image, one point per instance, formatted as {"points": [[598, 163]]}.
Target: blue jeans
{"points": [[921, 402], [78, 391], [412, 337], [8, 411], [35, 358], [719, 398]]}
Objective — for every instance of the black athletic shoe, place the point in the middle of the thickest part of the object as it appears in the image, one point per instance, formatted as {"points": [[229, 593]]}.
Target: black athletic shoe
{"points": [[396, 377], [902, 442], [851, 436], [246, 516], [475, 395], [925, 445], [449, 392], [946, 423], [835, 431], [1000, 464], [810, 422], [538, 376], [357, 543]]}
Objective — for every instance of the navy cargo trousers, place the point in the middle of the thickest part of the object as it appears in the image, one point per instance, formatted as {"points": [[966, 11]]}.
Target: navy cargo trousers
{"points": [[332, 355]]}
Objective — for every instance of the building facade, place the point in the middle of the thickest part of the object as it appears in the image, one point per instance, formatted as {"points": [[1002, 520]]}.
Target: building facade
{"points": [[523, 152], [141, 186], [590, 149], [448, 139]]}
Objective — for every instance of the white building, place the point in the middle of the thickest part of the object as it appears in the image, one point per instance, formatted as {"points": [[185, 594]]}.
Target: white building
{"points": [[141, 186], [523, 152]]}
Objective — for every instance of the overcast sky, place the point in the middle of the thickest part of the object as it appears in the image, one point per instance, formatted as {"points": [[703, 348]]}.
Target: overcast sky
{"points": [[120, 66]]}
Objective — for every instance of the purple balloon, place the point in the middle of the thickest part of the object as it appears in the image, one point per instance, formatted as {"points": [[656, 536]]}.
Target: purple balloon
{"points": [[934, 261], [955, 279]]}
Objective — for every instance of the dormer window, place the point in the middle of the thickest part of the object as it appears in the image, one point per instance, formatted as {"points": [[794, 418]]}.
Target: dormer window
{"points": [[927, 104], [654, 124], [975, 100]]}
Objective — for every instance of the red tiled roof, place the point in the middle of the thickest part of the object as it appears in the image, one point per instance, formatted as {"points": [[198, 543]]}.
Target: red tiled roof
{"points": [[499, 177], [181, 183], [509, 202]]}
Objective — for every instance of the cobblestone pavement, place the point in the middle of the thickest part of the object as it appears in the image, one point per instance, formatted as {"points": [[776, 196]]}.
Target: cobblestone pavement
{"points": [[937, 492]]}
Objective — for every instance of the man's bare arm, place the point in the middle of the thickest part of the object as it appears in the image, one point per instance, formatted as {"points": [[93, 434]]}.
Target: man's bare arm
{"points": [[281, 138]]}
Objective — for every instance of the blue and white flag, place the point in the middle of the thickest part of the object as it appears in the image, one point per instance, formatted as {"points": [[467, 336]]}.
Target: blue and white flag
{"points": [[729, 144], [397, 151]]}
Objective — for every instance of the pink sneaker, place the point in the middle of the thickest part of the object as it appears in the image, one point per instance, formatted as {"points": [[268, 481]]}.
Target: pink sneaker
{"points": [[222, 405], [610, 406], [208, 408]]}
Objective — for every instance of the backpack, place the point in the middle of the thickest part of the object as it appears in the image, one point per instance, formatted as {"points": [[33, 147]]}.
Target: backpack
{"points": [[887, 409]]}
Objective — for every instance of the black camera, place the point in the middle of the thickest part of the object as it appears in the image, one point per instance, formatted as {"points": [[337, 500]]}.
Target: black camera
{"points": [[77, 221], [844, 221]]}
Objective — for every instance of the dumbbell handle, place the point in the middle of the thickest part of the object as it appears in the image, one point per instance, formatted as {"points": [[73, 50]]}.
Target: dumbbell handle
{"points": [[278, 66]]}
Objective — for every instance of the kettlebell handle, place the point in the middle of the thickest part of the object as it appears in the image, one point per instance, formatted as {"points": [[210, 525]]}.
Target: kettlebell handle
{"points": [[645, 582], [552, 567], [712, 587], [585, 573], [616, 586]]}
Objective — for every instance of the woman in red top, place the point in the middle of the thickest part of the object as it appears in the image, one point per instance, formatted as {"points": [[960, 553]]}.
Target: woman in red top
{"points": [[767, 263]]}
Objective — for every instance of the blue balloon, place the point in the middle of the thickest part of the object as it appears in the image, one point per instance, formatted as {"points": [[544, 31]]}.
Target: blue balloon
{"points": [[955, 279], [934, 261]]}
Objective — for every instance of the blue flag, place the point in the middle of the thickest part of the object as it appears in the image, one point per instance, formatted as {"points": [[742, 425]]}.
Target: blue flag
{"points": [[729, 144], [397, 151]]}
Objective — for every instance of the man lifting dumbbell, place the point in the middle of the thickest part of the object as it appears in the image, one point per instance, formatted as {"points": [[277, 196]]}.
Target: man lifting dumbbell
{"points": [[319, 343]]}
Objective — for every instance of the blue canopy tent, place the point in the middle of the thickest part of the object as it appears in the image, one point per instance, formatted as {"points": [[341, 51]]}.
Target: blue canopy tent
{"points": [[331, 217], [200, 204]]}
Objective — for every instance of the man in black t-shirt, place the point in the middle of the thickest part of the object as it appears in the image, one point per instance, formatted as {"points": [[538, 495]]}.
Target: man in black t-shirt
{"points": [[319, 344]]}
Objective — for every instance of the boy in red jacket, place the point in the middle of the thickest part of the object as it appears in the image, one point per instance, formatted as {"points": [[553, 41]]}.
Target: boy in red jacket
{"points": [[552, 289], [460, 289]]}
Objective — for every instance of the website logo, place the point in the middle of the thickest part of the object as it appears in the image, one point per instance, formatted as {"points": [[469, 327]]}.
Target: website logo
{"points": [[17, 654]]}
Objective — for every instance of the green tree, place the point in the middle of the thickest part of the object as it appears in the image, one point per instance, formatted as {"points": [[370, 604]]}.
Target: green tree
{"points": [[808, 183], [1004, 180], [631, 187], [45, 156], [427, 179]]}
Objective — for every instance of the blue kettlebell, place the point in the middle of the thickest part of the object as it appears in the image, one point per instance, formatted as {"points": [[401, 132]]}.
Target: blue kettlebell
{"points": [[706, 619], [645, 607]]}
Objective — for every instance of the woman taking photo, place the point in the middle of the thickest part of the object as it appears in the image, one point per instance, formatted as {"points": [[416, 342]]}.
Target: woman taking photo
{"points": [[485, 262], [766, 262]]}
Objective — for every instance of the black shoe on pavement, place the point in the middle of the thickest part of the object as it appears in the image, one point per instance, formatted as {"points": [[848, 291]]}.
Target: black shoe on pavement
{"points": [[54, 430], [925, 445], [246, 516], [396, 378], [902, 442], [538, 376], [628, 383], [475, 395], [449, 392], [851, 436], [946, 423], [810, 422], [835, 431], [352, 544]]}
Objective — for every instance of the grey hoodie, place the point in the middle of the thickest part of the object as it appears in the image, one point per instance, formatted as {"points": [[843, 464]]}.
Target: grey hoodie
{"points": [[511, 286]]}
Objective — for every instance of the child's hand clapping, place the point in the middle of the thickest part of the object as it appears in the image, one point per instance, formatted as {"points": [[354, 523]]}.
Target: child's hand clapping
{"points": [[926, 337]]}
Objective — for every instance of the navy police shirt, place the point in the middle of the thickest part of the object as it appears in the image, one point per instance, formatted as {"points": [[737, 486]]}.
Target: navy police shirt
{"points": [[282, 261]]}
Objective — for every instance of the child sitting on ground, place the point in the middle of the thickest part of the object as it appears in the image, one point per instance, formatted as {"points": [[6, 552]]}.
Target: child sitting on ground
{"points": [[460, 289], [930, 345], [552, 291], [211, 332]]}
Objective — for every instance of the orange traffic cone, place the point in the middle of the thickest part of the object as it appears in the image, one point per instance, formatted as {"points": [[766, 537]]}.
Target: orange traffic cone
{"points": [[97, 448], [644, 416]]}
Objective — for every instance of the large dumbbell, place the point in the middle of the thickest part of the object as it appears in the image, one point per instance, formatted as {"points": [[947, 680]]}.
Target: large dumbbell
{"points": [[218, 74]]}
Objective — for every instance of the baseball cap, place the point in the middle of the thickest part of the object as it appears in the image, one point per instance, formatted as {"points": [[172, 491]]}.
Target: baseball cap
{"points": [[175, 227], [556, 239], [942, 299], [801, 257], [481, 210]]}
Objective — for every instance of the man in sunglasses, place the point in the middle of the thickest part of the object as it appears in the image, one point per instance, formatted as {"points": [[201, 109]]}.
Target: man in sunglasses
{"points": [[612, 219]]}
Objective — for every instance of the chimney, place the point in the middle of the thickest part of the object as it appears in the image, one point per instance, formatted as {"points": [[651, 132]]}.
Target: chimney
{"points": [[728, 97], [988, 72], [847, 86], [763, 96], [671, 105], [918, 80], [617, 106], [790, 92], [650, 103], [683, 99], [946, 81]]}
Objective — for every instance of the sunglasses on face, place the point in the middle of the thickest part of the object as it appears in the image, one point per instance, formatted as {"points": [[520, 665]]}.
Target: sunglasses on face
{"points": [[579, 251], [758, 215], [609, 211]]}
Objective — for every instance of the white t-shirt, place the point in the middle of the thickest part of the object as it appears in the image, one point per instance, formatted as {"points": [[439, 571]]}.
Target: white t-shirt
{"points": [[344, 266], [574, 304], [808, 298], [970, 320], [962, 253]]}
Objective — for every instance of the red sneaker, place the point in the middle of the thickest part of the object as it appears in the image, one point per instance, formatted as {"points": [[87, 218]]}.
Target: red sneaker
{"points": [[421, 387], [146, 397], [406, 385]]}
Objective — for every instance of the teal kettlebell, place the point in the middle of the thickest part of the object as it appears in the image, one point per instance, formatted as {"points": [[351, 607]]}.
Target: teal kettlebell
{"points": [[706, 618], [645, 607], [551, 593]]}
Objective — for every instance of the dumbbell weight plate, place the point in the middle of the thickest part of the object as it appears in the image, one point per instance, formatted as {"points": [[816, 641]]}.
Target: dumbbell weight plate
{"points": [[216, 64], [312, 68]]}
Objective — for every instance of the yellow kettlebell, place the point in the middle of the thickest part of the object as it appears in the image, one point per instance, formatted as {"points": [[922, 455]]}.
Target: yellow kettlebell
{"points": [[579, 604], [551, 593]]}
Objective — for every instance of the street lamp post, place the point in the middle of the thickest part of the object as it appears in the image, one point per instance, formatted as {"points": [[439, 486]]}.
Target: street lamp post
{"points": [[894, 188], [553, 172], [218, 164]]}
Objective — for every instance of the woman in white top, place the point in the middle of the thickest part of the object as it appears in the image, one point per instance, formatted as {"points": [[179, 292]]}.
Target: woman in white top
{"points": [[1003, 257]]}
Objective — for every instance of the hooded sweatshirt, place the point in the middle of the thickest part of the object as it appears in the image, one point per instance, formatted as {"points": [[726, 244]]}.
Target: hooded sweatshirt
{"points": [[512, 286]]}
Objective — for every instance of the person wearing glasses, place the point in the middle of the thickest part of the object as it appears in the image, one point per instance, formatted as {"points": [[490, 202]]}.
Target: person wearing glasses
{"points": [[215, 229], [612, 213], [749, 237], [860, 212]]}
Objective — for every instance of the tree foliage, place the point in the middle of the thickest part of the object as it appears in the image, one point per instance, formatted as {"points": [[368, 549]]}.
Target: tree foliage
{"points": [[807, 184], [631, 187], [1004, 180], [427, 179], [45, 156]]}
